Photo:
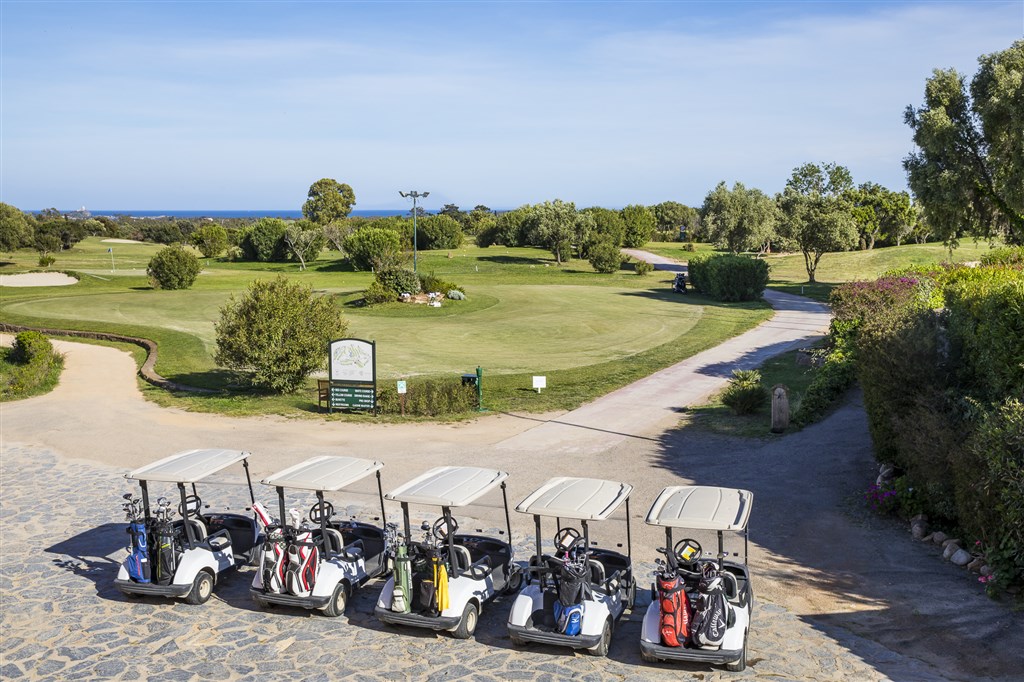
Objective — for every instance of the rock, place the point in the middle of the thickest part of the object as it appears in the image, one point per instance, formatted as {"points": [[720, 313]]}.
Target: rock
{"points": [[927, 538], [951, 541], [804, 359], [951, 549], [919, 517], [919, 530], [938, 537], [961, 557], [975, 565], [985, 570]]}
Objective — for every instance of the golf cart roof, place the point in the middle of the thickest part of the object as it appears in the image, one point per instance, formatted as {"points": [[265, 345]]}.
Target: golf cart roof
{"points": [[190, 466], [324, 473], [448, 486], [590, 499], [701, 507]]}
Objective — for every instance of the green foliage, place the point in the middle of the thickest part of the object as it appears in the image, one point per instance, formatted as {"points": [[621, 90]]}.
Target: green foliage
{"points": [[15, 229], [399, 281], [727, 277], [690, 246], [671, 216], [374, 248], [643, 268], [328, 201], [264, 241], [31, 366], [304, 240], [745, 394], [429, 398], [640, 223], [173, 267], [432, 283], [438, 232], [881, 213], [46, 261], [605, 257], [277, 333], [608, 225], [30, 347], [968, 170], [552, 225], [830, 381], [211, 240], [162, 232], [1010, 256], [740, 219], [377, 293]]}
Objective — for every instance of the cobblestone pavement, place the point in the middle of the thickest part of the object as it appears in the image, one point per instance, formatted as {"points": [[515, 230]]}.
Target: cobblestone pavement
{"points": [[63, 538]]}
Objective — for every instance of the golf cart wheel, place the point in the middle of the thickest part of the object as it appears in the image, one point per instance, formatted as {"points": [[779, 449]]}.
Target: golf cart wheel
{"points": [[202, 589], [515, 582], [467, 624], [602, 647], [339, 600], [741, 664], [631, 599]]}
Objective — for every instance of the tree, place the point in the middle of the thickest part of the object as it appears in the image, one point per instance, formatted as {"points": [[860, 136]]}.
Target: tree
{"points": [[740, 219], [607, 223], [329, 200], [438, 232], [968, 169], [305, 241], [15, 229], [336, 231], [671, 215], [604, 256], [264, 240], [880, 212], [210, 239], [552, 225], [173, 267], [374, 248], [816, 216], [278, 333], [639, 226]]}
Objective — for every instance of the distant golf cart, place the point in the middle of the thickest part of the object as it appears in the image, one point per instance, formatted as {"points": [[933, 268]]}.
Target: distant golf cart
{"points": [[574, 598], [443, 582], [679, 283], [701, 509], [317, 564], [183, 557]]}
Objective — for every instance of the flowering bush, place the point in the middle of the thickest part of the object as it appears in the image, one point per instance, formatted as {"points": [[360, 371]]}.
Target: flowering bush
{"points": [[882, 499]]}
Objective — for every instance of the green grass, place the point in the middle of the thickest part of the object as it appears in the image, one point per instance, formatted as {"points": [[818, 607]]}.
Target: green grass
{"points": [[525, 315], [717, 418], [7, 373]]}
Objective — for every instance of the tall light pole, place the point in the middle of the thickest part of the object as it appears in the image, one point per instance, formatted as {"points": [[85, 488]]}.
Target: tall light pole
{"points": [[415, 195]]}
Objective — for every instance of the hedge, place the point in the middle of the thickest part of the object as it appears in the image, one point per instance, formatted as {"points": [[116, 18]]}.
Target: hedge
{"points": [[726, 277]]}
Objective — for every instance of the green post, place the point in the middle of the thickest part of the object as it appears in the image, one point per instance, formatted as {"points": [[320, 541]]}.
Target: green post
{"points": [[479, 389]]}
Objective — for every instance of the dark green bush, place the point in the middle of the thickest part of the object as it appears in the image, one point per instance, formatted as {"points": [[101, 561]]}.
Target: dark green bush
{"points": [[263, 241], [30, 347], [162, 232], [173, 267], [642, 268], [430, 398], [46, 261], [35, 363], [689, 246], [726, 277], [438, 232], [373, 248], [378, 293], [399, 280], [431, 283], [831, 380], [745, 394], [605, 257]]}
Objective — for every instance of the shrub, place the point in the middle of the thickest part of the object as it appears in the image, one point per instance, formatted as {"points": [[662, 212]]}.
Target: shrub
{"points": [[373, 248], [1010, 256], [642, 268], [30, 347], [438, 232], [745, 394], [278, 333], [640, 224], [689, 246], [174, 267], [46, 261], [235, 253], [431, 283], [399, 280], [727, 277], [830, 382], [35, 361], [263, 241], [605, 257], [378, 293], [161, 232], [429, 398], [210, 239]]}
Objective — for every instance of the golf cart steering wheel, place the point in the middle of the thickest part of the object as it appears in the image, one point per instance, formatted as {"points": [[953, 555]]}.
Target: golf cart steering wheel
{"points": [[321, 511], [567, 538], [687, 552], [440, 528], [191, 504]]}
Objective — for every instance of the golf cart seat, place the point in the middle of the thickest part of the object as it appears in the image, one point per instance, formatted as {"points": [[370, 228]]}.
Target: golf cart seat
{"points": [[198, 529], [333, 542], [241, 529], [463, 559], [596, 572]]}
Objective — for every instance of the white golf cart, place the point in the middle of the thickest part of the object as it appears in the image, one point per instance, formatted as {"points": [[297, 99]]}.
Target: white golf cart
{"points": [[444, 581], [573, 599], [698, 510], [183, 557], [317, 565]]}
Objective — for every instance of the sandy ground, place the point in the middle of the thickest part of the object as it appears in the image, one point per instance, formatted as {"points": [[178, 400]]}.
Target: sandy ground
{"points": [[122, 241], [37, 279]]}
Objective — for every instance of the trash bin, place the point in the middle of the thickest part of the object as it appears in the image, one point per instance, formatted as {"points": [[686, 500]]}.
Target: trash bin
{"points": [[469, 379]]}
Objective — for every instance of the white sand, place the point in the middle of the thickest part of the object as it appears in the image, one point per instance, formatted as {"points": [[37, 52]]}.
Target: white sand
{"points": [[37, 279], [121, 241]]}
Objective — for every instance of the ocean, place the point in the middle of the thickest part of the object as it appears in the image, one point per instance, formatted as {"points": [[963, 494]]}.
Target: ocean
{"points": [[241, 213]]}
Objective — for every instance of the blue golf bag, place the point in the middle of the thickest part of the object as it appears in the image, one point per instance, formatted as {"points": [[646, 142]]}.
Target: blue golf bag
{"points": [[137, 562]]}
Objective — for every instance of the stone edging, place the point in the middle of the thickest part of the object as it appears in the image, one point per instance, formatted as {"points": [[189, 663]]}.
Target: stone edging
{"points": [[147, 371]]}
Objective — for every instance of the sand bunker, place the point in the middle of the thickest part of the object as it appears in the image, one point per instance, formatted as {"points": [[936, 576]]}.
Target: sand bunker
{"points": [[121, 241], [37, 279]]}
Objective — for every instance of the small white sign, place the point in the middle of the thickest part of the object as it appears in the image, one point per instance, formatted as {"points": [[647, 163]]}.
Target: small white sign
{"points": [[401, 387], [539, 383]]}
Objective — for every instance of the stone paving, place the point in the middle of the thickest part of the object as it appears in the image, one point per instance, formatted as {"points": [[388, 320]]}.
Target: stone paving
{"points": [[63, 539]]}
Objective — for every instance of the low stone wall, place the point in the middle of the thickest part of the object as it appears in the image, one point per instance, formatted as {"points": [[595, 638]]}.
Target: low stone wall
{"points": [[147, 371]]}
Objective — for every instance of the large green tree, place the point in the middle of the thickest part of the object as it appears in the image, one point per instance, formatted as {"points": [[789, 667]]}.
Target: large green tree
{"points": [[740, 219], [15, 228], [277, 333], [640, 224], [305, 240], [552, 225], [329, 200], [672, 215], [968, 168], [816, 214], [881, 213]]}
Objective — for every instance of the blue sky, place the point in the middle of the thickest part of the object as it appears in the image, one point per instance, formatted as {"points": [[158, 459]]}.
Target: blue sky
{"points": [[242, 105]]}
